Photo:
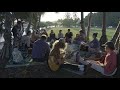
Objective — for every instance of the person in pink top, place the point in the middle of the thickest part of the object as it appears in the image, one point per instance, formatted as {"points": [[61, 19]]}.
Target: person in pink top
{"points": [[110, 62]]}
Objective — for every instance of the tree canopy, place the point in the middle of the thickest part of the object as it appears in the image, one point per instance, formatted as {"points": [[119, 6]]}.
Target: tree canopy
{"points": [[112, 19]]}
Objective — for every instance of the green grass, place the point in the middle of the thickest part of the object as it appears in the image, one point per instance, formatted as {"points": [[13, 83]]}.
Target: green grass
{"points": [[110, 32]]}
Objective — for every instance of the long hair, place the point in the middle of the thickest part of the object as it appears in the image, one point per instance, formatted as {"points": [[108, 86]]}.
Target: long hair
{"points": [[57, 46]]}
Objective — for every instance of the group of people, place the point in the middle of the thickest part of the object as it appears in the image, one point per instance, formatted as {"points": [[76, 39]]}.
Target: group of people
{"points": [[41, 49]]}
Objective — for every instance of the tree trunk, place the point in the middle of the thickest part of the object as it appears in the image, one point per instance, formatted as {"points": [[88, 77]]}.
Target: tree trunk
{"points": [[103, 38], [82, 22], [30, 22], [7, 48], [39, 21], [116, 33], [89, 25], [28, 27], [117, 42]]}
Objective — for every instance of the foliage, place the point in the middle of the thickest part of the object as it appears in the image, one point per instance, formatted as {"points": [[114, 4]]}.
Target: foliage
{"points": [[112, 19]]}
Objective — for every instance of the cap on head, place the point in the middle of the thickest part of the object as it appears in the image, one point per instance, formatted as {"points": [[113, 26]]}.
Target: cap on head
{"points": [[109, 45]]}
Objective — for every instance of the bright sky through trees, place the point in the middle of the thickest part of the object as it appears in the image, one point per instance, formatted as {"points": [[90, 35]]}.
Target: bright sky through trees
{"points": [[52, 16]]}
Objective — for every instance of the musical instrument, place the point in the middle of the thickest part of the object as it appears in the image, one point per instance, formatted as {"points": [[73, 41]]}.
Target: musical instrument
{"points": [[53, 63]]}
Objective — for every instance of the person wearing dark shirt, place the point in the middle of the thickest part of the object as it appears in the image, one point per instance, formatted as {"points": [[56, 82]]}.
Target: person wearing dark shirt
{"points": [[17, 32], [52, 35], [77, 40], [68, 36], [94, 44], [41, 50], [60, 34]]}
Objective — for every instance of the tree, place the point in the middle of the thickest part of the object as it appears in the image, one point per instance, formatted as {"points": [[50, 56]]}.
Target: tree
{"points": [[115, 36], [6, 50], [67, 22], [103, 38], [67, 15], [89, 25], [82, 22], [75, 19]]}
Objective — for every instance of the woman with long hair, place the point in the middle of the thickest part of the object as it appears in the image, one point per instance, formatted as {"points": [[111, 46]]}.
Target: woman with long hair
{"points": [[58, 50]]}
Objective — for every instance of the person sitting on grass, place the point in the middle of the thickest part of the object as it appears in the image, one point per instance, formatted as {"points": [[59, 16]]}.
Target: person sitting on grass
{"points": [[110, 61], [68, 36], [77, 40], [41, 50], [60, 34], [82, 36], [58, 51], [94, 45], [52, 35]]}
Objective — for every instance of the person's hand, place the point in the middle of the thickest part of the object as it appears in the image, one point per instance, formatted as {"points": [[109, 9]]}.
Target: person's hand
{"points": [[98, 62]]}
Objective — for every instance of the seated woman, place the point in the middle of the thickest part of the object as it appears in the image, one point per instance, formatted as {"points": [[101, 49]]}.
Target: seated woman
{"points": [[110, 61], [58, 51], [82, 35], [94, 46], [77, 39]]}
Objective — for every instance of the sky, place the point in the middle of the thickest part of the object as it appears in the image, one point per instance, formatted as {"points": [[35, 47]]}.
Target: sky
{"points": [[52, 16]]}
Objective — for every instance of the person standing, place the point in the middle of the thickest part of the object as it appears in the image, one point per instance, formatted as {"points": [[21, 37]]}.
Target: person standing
{"points": [[17, 33]]}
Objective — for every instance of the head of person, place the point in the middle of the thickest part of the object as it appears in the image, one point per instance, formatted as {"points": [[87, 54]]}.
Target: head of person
{"points": [[43, 37], [95, 35], [109, 47], [81, 32], [51, 31], [77, 35], [60, 31], [19, 23], [68, 30], [44, 30], [28, 33], [59, 44]]}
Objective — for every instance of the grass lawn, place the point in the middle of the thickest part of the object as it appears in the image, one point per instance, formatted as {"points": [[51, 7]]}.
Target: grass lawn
{"points": [[110, 32]]}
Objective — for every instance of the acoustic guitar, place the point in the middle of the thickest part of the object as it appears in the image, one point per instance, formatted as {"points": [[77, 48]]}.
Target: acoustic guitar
{"points": [[52, 62]]}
